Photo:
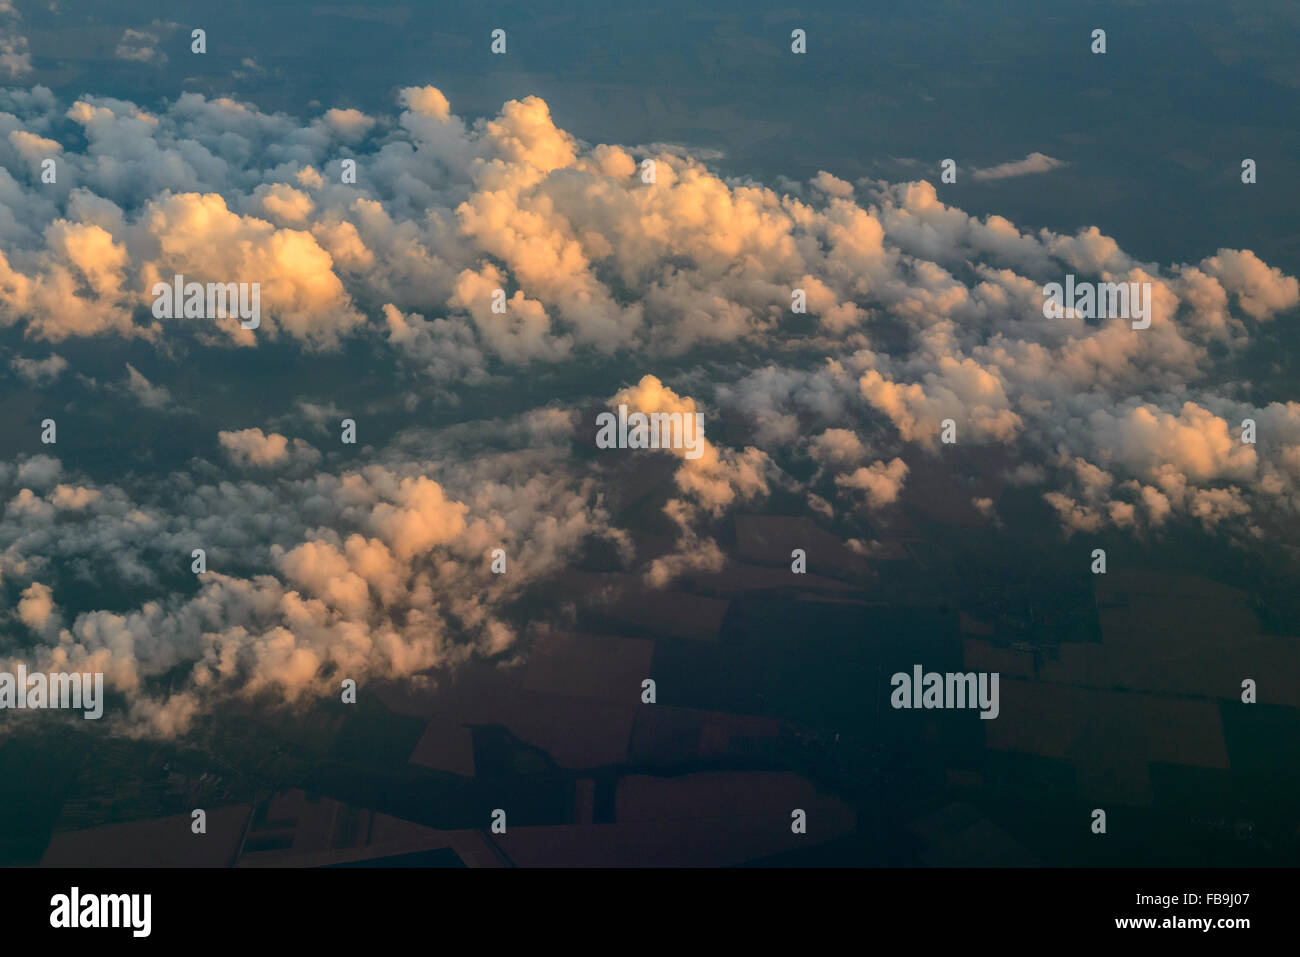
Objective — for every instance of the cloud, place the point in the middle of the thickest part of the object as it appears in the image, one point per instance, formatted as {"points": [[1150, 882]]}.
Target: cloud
{"points": [[36, 608], [39, 471], [881, 482], [349, 124], [673, 296], [1262, 290], [15, 60], [140, 46], [1033, 163], [199, 237], [39, 372], [253, 448], [409, 591], [149, 395], [712, 482], [838, 448], [78, 286], [420, 518]]}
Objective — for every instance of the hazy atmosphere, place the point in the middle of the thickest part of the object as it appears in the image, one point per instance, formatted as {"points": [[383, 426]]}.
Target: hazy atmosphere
{"points": [[553, 434]]}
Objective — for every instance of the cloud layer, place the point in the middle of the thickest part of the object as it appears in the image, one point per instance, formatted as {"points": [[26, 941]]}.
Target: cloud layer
{"points": [[493, 251]]}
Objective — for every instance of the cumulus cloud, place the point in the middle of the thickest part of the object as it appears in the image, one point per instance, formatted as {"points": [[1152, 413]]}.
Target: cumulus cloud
{"points": [[712, 479], [349, 124], [506, 255], [198, 236], [718, 477], [1262, 290], [36, 608], [252, 447], [408, 589], [838, 448], [881, 482]]}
